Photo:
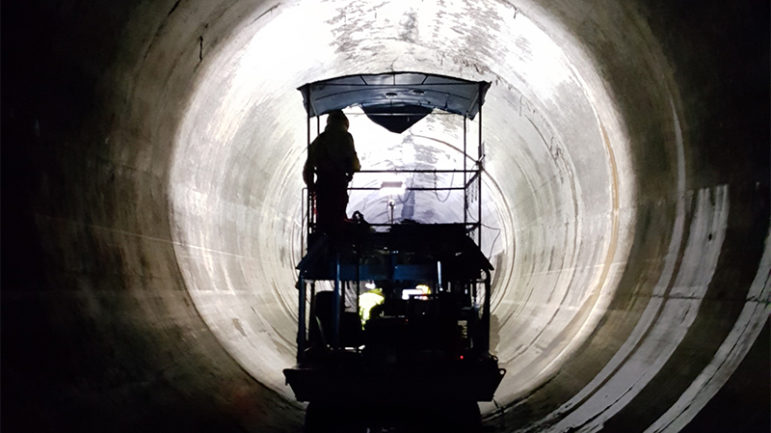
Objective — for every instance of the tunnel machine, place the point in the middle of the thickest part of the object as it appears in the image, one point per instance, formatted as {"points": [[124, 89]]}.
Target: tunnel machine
{"points": [[394, 318]]}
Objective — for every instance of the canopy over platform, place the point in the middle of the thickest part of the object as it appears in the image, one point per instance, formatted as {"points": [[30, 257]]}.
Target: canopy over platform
{"points": [[395, 100]]}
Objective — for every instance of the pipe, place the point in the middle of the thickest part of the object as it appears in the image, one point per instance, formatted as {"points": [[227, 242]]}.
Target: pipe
{"points": [[152, 201]]}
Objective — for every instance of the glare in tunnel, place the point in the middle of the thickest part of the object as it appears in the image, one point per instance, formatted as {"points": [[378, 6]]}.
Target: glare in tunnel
{"points": [[552, 191], [151, 174]]}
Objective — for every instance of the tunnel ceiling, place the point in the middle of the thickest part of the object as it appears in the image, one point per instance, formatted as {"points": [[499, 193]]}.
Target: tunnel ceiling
{"points": [[630, 242]]}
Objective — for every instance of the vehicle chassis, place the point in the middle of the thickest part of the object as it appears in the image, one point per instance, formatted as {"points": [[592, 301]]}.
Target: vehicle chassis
{"points": [[429, 350]]}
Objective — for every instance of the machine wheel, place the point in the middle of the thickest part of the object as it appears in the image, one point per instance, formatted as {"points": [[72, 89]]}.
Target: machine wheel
{"points": [[465, 417], [444, 417], [330, 418], [469, 418]]}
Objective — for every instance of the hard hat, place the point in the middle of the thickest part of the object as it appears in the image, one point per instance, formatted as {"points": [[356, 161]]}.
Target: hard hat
{"points": [[337, 117]]}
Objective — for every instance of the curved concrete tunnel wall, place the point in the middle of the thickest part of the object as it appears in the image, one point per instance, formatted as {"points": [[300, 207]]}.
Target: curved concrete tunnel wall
{"points": [[235, 193], [631, 251]]}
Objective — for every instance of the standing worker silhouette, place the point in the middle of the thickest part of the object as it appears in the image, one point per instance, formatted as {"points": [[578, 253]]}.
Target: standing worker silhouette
{"points": [[333, 158]]}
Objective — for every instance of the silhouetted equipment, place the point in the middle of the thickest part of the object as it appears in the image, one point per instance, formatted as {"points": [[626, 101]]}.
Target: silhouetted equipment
{"points": [[423, 355], [397, 118], [396, 100]]}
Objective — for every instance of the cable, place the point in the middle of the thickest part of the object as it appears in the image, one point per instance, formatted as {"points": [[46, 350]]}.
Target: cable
{"points": [[436, 193]]}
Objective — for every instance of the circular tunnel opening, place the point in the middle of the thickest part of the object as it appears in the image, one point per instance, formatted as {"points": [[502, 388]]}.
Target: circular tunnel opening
{"points": [[556, 175], [153, 153]]}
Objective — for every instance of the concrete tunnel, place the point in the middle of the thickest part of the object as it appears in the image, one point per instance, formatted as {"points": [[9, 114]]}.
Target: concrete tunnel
{"points": [[152, 215]]}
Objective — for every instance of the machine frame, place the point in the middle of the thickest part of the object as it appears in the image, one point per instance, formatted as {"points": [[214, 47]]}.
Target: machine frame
{"points": [[432, 347]]}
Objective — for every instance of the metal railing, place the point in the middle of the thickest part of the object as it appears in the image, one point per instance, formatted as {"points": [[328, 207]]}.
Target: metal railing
{"points": [[471, 186]]}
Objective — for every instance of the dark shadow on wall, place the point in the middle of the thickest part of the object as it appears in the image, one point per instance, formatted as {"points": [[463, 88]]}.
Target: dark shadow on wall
{"points": [[78, 354], [743, 404]]}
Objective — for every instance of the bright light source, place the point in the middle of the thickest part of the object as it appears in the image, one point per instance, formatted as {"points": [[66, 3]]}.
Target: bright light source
{"points": [[406, 293], [419, 290]]}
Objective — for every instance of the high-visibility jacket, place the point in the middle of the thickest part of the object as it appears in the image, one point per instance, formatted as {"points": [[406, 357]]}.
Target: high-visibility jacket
{"points": [[367, 301]]}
